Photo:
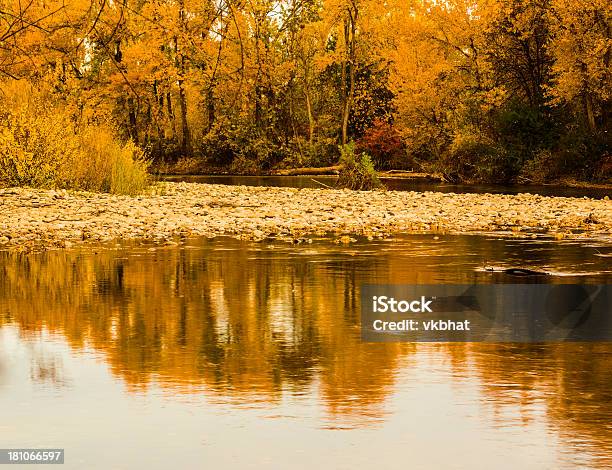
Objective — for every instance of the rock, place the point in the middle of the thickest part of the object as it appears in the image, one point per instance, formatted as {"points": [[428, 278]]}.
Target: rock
{"points": [[187, 209]]}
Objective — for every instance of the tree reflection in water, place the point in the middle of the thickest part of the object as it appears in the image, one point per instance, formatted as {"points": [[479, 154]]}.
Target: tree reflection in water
{"points": [[249, 323]]}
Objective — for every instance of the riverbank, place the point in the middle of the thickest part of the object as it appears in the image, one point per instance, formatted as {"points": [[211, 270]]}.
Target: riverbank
{"points": [[31, 218], [191, 167]]}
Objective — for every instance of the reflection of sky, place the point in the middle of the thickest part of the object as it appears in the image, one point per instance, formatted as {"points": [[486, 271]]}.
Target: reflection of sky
{"points": [[436, 418]]}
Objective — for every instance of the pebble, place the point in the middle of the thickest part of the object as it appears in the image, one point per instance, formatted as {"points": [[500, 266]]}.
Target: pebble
{"points": [[182, 210]]}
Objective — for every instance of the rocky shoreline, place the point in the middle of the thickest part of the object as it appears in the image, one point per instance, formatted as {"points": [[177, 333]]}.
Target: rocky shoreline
{"points": [[32, 218]]}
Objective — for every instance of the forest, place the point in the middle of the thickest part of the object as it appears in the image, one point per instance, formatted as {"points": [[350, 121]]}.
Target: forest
{"points": [[95, 91]]}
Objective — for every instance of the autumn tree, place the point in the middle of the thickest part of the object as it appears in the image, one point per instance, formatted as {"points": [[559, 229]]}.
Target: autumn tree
{"points": [[581, 48], [255, 84]]}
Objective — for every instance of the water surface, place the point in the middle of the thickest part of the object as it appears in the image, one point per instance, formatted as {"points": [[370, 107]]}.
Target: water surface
{"points": [[397, 184], [230, 354]]}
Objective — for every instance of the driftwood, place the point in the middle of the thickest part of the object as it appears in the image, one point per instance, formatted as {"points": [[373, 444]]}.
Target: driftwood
{"points": [[328, 170], [322, 184], [334, 170], [405, 174]]}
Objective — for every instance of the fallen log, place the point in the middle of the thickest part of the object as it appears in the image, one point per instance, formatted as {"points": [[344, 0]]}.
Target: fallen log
{"points": [[327, 170], [334, 170], [404, 174]]}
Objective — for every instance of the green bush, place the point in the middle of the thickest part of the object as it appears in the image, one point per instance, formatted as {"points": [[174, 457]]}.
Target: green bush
{"points": [[299, 152], [323, 151], [357, 170], [523, 130]]}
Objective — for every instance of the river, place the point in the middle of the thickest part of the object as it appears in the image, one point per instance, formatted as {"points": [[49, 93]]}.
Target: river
{"points": [[232, 354], [398, 184]]}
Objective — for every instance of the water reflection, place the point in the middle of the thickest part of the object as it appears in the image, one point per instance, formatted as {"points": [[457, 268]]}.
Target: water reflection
{"points": [[46, 368], [396, 184], [253, 325]]}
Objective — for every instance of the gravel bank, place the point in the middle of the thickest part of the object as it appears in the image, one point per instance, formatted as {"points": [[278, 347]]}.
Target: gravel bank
{"points": [[41, 218]]}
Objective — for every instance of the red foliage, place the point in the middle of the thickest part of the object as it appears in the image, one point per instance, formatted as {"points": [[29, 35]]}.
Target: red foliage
{"points": [[384, 144]]}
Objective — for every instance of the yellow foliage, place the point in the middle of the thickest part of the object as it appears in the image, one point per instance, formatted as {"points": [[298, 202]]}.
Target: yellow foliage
{"points": [[582, 50], [178, 75], [110, 166], [35, 144], [40, 147]]}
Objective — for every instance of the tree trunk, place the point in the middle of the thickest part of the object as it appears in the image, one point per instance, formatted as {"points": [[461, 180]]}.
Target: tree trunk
{"points": [[588, 108], [186, 133], [180, 62], [311, 123], [210, 107], [133, 127], [170, 114], [258, 78], [343, 94], [349, 35]]}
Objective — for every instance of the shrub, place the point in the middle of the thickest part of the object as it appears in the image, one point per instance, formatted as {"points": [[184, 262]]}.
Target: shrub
{"points": [[323, 151], [40, 146], [244, 166], [584, 152], [384, 144], [34, 146], [473, 158], [183, 166], [604, 171], [109, 165], [524, 129], [299, 152], [542, 168], [242, 148], [221, 144], [261, 152], [550, 166], [357, 170]]}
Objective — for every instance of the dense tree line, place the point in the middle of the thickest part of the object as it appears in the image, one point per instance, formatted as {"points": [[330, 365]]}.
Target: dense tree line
{"points": [[489, 90]]}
